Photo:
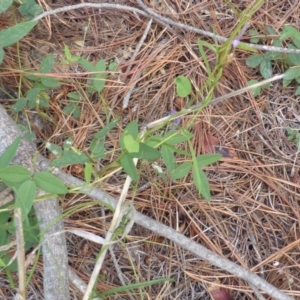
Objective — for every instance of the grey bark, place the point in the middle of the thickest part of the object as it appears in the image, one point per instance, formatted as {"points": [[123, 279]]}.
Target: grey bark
{"points": [[55, 260]]}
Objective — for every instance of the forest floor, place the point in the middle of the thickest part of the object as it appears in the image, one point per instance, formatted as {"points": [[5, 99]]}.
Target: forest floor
{"points": [[254, 215]]}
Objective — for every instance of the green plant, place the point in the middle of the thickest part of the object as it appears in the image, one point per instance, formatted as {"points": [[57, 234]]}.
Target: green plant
{"points": [[294, 136], [97, 80], [289, 35], [24, 185], [13, 34], [37, 96]]}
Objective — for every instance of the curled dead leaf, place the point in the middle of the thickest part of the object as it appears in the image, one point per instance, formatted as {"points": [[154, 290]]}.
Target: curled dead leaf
{"points": [[179, 103], [217, 292], [220, 294]]}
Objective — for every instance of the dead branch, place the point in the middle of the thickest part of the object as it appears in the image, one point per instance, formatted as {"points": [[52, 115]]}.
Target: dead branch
{"points": [[56, 283]]}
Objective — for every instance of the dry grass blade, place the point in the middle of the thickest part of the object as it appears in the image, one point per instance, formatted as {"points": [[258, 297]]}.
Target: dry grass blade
{"points": [[21, 254]]}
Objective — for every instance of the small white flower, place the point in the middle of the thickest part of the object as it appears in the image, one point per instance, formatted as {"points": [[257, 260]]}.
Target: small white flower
{"points": [[276, 263]]}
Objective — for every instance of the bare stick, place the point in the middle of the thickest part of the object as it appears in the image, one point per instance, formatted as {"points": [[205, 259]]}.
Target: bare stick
{"points": [[168, 21], [177, 238], [196, 107], [160, 19], [56, 284], [21, 253]]}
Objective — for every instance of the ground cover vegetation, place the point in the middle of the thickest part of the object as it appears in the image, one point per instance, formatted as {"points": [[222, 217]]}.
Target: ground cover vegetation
{"points": [[186, 113]]}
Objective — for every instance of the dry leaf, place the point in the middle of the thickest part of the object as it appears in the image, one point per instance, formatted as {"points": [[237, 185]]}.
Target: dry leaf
{"points": [[220, 294], [212, 145], [217, 292], [179, 103]]}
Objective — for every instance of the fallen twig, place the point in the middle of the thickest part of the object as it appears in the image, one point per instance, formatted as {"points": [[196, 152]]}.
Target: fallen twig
{"points": [[160, 19]]}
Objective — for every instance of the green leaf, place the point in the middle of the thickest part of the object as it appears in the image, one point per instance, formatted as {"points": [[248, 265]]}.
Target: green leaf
{"points": [[41, 101], [70, 157], [13, 34], [292, 73], [181, 171], [131, 129], [146, 152], [254, 60], [287, 32], [131, 145], [183, 86], [127, 163], [97, 145], [98, 79], [207, 159], [69, 56], [206, 44], [9, 153], [291, 133], [266, 69], [88, 172], [201, 182], [5, 4], [153, 141], [98, 155], [297, 93], [30, 75], [20, 104], [54, 149], [296, 41], [49, 183], [270, 30], [98, 82], [31, 233], [68, 144], [168, 157], [254, 32], [75, 96], [47, 64], [1, 54], [14, 174], [32, 94], [87, 65], [112, 66], [103, 132], [176, 138], [204, 56], [294, 58], [286, 82], [4, 216], [73, 109], [49, 82], [29, 9], [97, 148], [277, 43], [100, 66], [10, 265], [271, 55], [25, 196], [256, 91]]}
